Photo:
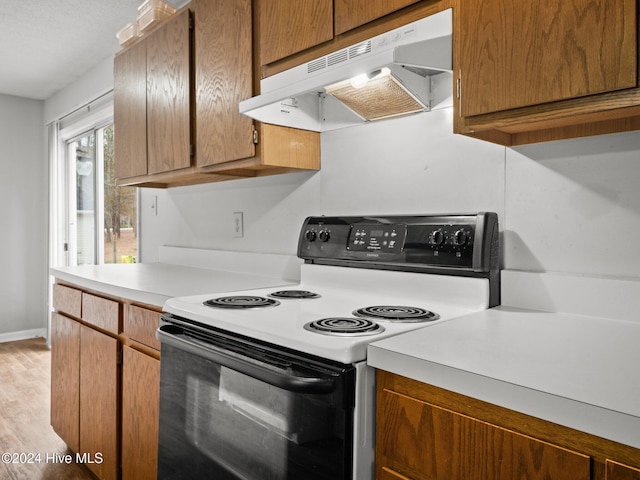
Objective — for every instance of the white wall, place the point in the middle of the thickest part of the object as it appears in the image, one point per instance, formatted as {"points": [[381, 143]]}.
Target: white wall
{"points": [[574, 207], [23, 210], [570, 206], [409, 165], [87, 88]]}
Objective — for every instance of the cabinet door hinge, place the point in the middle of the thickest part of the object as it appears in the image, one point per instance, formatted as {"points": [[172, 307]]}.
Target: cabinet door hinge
{"points": [[120, 358], [458, 88], [192, 150], [255, 137]]}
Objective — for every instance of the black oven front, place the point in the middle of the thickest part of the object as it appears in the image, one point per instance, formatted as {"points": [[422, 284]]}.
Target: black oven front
{"points": [[234, 408]]}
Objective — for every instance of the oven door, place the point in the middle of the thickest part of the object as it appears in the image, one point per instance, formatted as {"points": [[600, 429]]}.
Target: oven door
{"points": [[233, 408]]}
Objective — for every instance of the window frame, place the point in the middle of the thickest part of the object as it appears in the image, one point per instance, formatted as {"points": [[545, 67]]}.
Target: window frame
{"points": [[91, 118]]}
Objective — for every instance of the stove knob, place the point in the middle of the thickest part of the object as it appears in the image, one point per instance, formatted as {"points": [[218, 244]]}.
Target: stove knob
{"points": [[324, 235], [460, 238], [310, 235], [436, 237]]}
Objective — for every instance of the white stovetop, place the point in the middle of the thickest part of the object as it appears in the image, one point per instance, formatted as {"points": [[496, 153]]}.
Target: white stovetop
{"points": [[342, 290], [574, 369]]}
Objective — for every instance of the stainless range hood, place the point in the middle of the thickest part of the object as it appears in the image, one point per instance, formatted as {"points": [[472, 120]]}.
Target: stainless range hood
{"points": [[401, 72]]}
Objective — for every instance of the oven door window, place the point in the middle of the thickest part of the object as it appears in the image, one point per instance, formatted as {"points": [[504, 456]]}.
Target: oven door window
{"points": [[216, 422]]}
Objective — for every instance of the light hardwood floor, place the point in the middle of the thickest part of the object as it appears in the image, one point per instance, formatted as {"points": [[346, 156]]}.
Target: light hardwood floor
{"points": [[25, 432]]}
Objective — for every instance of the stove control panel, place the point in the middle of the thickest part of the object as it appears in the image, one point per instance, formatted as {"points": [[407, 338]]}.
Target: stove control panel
{"points": [[377, 238], [466, 241]]}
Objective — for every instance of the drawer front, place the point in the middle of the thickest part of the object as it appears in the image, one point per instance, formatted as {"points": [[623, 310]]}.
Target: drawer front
{"points": [[101, 312], [67, 300], [140, 324], [427, 442]]}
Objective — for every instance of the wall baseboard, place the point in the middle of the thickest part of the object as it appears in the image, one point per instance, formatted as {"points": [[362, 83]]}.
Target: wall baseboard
{"points": [[23, 335]]}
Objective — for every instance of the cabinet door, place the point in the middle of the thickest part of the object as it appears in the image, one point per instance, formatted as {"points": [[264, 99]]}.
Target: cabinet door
{"points": [[140, 400], [223, 70], [516, 53], [99, 402], [65, 379], [425, 442], [290, 26], [130, 111], [617, 471], [169, 95], [350, 14]]}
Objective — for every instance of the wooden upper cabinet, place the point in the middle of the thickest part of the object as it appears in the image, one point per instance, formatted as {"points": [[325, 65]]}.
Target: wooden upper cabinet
{"points": [[517, 53], [291, 26], [169, 95], [130, 111], [350, 14], [223, 67]]}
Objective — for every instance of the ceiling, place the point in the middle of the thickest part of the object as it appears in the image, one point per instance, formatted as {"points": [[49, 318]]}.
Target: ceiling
{"points": [[45, 45]]}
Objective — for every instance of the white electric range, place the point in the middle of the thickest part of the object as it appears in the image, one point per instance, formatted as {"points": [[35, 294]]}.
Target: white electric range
{"points": [[364, 279]]}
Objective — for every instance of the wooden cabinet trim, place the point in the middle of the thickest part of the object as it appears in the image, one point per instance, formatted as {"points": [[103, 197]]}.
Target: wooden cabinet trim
{"points": [[388, 474]]}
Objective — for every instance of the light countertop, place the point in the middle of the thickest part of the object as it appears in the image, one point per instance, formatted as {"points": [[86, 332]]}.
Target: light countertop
{"points": [[183, 272], [574, 370]]}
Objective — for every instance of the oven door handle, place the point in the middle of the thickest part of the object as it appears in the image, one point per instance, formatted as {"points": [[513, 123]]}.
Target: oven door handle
{"points": [[174, 336]]}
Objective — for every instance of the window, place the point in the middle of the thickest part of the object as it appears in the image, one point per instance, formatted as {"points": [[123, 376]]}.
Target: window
{"points": [[102, 216], [95, 221]]}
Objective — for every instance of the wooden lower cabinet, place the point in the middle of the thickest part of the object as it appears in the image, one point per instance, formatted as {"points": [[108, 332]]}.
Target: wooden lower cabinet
{"points": [[105, 382], [617, 471], [428, 442], [99, 402], [140, 407], [65, 375], [427, 433], [84, 393]]}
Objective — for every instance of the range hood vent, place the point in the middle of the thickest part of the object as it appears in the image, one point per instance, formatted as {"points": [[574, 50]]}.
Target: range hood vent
{"points": [[401, 72]]}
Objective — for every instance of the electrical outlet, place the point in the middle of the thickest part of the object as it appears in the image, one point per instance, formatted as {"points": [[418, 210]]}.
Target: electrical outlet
{"points": [[238, 227]]}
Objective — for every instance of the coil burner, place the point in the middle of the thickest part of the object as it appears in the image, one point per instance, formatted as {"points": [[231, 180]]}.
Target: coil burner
{"points": [[395, 313], [294, 294], [344, 326], [241, 301]]}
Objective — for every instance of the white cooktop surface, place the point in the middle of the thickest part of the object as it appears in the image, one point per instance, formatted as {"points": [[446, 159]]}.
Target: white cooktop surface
{"points": [[342, 290]]}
